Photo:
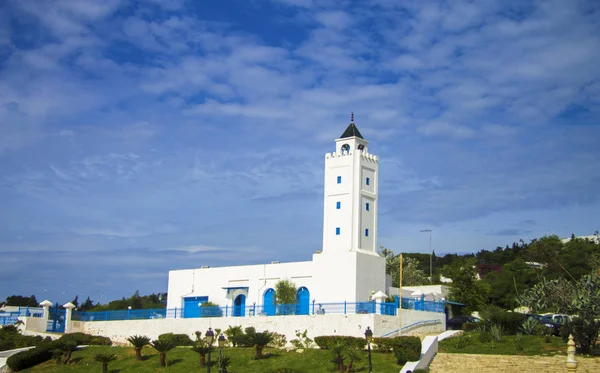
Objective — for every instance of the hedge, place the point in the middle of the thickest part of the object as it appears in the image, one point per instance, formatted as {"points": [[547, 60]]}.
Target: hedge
{"points": [[176, 339], [86, 339], [30, 358], [326, 341]]}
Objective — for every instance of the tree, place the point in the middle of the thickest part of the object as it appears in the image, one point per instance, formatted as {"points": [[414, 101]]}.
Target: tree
{"points": [[138, 342], [21, 301], [260, 340], [411, 273], [581, 298], [465, 287], [75, 301], [285, 292], [162, 346], [87, 305], [105, 359]]}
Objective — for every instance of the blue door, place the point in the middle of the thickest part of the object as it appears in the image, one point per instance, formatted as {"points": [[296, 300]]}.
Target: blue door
{"points": [[191, 307], [303, 300], [239, 305], [269, 302]]}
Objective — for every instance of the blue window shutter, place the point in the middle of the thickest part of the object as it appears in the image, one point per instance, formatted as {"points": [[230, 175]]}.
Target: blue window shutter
{"points": [[337, 231], [339, 179], [338, 205], [367, 206], [368, 181], [366, 232]]}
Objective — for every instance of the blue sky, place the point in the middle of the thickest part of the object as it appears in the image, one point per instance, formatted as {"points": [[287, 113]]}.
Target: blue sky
{"points": [[138, 137]]}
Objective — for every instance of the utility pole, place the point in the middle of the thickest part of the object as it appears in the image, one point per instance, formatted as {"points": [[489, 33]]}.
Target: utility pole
{"points": [[400, 298], [430, 256]]}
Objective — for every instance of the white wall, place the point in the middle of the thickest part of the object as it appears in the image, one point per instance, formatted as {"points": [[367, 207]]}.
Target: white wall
{"points": [[258, 278], [316, 325]]}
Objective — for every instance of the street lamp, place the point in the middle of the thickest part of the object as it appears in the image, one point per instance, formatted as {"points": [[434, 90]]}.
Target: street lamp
{"points": [[210, 336], [369, 338], [221, 341], [430, 256]]}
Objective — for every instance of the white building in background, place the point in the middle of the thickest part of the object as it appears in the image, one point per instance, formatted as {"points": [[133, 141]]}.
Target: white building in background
{"points": [[594, 238], [347, 269]]}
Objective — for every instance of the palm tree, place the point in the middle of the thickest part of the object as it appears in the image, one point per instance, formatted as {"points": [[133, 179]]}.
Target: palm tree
{"points": [[162, 346], [260, 340], [68, 347], [105, 359], [202, 349], [138, 342]]}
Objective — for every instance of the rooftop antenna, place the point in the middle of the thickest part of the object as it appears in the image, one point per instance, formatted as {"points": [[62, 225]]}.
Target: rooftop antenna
{"points": [[352, 117]]}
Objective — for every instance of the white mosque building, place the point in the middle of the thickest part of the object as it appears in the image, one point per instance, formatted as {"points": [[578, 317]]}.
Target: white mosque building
{"points": [[348, 269]]}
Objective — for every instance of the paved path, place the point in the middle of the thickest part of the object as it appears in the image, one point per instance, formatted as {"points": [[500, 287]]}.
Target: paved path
{"points": [[468, 363]]}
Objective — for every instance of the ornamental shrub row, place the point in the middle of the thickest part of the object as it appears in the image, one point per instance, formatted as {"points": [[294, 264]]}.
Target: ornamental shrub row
{"points": [[45, 350], [326, 341], [86, 339]]}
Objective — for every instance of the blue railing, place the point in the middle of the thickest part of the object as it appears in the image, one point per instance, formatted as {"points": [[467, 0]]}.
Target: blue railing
{"points": [[9, 318], [313, 308]]}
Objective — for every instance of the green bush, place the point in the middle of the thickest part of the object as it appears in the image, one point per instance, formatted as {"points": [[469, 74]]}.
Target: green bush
{"points": [[404, 355], [11, 338], [279, 341], [382, 344], [585, 333], [510, 322], [30, 358], [85, 339], [176, 339], [325, 342]]}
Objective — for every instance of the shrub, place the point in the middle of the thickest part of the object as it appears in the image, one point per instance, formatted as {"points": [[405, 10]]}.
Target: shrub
{"points": [[176, 339], [461, 342], [235, 335], [285, 292], [302, 340], [105, 359], [260, 340], [585, 333], [404, 355], [531, 326], [382, 344], [29, 358], [279, 341], [407, 342], [510, 322], [86, 339], [326, 341], [496, 333], [519, 342]]}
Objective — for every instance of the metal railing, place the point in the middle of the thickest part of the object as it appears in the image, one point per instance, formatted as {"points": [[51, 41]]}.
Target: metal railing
{"points": [[313, 308], [9, 318]]}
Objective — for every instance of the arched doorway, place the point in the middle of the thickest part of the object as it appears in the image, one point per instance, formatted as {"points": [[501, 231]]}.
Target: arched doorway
{"points": [[269, 302], [303, 300], [239, 305]]}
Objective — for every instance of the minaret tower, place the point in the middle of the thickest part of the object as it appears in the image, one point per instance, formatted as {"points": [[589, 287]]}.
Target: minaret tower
{"points": [[350, 200]]}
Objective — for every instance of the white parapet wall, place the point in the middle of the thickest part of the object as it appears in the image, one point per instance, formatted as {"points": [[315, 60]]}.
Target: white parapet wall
{"points": [[316, 325], [353, 325], [429, 348]]}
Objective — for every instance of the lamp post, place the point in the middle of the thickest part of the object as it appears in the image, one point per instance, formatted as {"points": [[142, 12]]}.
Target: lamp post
{"points": [[369, 337], [221, 342], [210, 336], [430, 256]]}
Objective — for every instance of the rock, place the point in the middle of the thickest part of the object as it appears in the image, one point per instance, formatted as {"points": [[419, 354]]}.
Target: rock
{"points": [[300, 350]]}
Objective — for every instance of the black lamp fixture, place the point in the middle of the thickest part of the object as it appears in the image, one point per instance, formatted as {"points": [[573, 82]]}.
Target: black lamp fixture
{"points": [[369, 338], [210, 337], [221, 342]]}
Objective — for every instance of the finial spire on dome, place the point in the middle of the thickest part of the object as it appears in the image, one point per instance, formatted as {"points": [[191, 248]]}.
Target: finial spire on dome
{"points": [[351, 131]]}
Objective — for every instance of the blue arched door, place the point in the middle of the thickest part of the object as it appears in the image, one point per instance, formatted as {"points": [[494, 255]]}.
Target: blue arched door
{"points": [[239, 305], [269, 302], [303, 300]]}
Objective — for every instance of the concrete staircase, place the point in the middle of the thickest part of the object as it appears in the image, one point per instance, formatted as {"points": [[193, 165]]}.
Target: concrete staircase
{"points": [[467, 363]]}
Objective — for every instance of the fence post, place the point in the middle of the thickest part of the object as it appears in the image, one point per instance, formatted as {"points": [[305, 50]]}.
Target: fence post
{"points": [[69, 311], [313, 311], [344, 307], [254, 310]]}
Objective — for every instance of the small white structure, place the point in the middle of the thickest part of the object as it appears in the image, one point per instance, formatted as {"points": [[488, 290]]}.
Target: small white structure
{"points": [[348, 269]]}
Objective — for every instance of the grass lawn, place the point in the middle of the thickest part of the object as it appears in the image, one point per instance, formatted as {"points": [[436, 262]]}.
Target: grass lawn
{"points": [[532, 345], [184, 360]]}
